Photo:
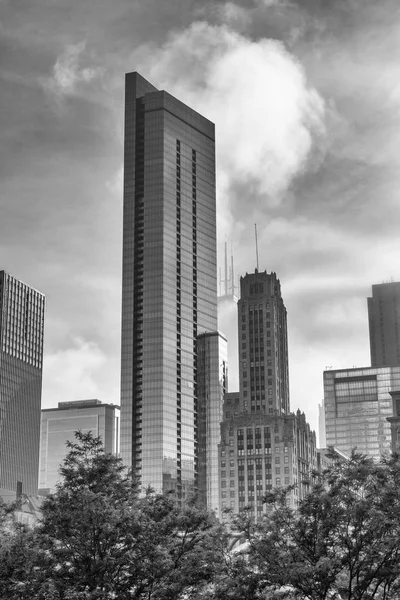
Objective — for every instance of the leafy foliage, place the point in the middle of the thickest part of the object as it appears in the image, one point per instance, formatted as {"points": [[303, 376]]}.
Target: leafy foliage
{"points": [[343, 541], [100, 539]]}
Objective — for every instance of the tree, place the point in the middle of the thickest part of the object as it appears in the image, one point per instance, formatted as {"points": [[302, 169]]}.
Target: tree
{"points": [[343, 541], [99, 538]]}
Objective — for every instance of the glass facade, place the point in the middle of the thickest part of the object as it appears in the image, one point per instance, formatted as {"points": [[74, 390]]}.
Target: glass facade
{"points": [[59, 425], [21, 357], [168, 283], [357, 404], [384, 324], [212, 382]]}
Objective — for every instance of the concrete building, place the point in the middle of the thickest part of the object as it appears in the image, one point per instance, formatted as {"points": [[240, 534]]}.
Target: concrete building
{"points": [[263, 445], [357, 404], [21, 360], [212, 384], [263, 344], [384, 324], [59, 425], [259, 452], [169, 288]]}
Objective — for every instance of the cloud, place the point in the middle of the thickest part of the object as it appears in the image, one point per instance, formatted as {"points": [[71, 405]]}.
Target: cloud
{"points": [[68, 73], [69, 370], [269, 120]]}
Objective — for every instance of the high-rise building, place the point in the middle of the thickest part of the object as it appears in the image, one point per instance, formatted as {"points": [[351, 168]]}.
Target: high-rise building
{"points": [[357, 404], [212, 384], [263, 344], [169, 287], [384, 324], [227, 317], [262, 445], [59, 426], [21, 358]]}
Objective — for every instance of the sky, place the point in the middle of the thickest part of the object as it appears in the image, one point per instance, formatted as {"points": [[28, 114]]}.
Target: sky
{"points": [[305, 96]]}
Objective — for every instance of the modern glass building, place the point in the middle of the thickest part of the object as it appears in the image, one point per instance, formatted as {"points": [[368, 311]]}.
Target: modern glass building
{"points": [[212, 384], [384, 324], [21, 359], [59, 425], [169, 282], [357, 404], [263, 344]]}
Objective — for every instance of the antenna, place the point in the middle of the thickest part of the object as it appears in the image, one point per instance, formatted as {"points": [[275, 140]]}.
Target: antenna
{"points": [[255, 230], [226, 270], [232, 272]]}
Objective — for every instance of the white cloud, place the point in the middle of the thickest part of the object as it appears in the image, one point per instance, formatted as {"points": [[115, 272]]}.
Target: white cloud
{"points": [[73, 373], [68, 73], [268, 118]]}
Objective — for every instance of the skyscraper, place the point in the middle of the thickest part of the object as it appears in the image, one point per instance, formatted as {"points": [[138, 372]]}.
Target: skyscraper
{"points": [[227, 317], [212, 384], [59, 425], [263, 345], [262, 445], [357, 404], [21, 359], [169, 287], [384, 324]]}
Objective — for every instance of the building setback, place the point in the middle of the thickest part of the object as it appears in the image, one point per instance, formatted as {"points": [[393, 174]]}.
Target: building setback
{"points": [[357, 404], [21, 360], [384, 324], [263, 445], [59, 425], [169, 287]]}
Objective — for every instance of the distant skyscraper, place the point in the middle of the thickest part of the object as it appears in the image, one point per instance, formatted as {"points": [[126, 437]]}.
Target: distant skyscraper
{"points": [[59, 425], [169, 288], [384, 324], [263, 345], [21, 359], [212, 384], [227, 317], [357, 404], [263, 445]]}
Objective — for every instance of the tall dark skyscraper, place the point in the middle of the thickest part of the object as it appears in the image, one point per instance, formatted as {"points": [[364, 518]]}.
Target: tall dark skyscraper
{"points": [[263, 344], [384, 324], [21, 358], [169, 289]]}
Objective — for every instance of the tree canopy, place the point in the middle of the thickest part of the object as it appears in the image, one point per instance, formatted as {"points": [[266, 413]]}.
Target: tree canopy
{"points": [[342, 541], [99, 538]]}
